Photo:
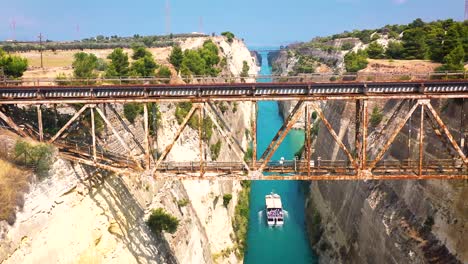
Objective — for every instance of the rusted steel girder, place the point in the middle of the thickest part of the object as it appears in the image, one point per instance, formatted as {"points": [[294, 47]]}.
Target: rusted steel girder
{"points": [[93, 133], [416, 96], [335, 136], [421, 142], [227, 137], [307, 144], [13, 125], [177, 135], [393, 136], [39, 123], [146, 139], [279, 137], [98, 165], [75, 116], [200, 135], [116, 134], [447, 132], [253, 121]]}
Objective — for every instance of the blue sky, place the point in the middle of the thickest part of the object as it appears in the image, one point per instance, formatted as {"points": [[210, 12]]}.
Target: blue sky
{"points": [[259, 22]]}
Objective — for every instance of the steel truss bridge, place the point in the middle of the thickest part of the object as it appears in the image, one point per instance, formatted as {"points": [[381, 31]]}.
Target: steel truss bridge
{"points": [[359, 165]]}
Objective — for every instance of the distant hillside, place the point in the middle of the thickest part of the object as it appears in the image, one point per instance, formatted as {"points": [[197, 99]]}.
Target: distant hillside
{"points": [[442, 41]]}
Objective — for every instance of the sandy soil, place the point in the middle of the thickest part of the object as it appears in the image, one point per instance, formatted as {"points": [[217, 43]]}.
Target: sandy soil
{"points": [[401, 66]]}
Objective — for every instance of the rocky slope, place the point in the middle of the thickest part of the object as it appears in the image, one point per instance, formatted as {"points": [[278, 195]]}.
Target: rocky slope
{"points": [[80, 215]]}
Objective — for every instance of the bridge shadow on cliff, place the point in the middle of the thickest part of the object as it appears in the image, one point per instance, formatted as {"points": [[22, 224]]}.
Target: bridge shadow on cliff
{"points": [[125, 218]]}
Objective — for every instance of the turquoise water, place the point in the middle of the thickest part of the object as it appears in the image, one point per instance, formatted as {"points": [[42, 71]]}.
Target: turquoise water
{"points": [[287, 244]]}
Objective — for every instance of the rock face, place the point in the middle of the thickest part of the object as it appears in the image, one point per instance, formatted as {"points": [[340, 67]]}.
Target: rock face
{"points": [[79, 216], [387, 221]]}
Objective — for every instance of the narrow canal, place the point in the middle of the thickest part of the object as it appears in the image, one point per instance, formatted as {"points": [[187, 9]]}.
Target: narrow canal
{"points": [[287, 244]]}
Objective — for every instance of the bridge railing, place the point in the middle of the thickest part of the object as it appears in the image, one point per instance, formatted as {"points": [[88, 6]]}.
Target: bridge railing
{"points": [[300, 78]]}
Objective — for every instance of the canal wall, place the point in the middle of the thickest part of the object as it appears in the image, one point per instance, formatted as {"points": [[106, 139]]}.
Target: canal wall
{"points": [[387, 221]]}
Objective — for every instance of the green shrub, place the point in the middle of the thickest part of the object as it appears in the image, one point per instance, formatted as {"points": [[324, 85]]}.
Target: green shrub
{"points": [[355, 61], [229, 35], [347, 46], [241, 219], [182, 202], [132, 110], [160, 220], [37, 156], [376, 116], [215, 150], [226, 199], [248, 154], [375, 50]]}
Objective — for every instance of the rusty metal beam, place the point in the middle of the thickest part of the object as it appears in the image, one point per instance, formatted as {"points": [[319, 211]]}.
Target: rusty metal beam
{"points": [[365, 123], [447, 133], [307, 144], [392, 137], [200, 135], [421, 142], [12, 124], [97, 165], [116, 134], [177, 135], [227, 137], [93, 133], [253, 122], [312, 97], [75, 116], [335, 136], [39, 123], [146, 139], [279, 137]]}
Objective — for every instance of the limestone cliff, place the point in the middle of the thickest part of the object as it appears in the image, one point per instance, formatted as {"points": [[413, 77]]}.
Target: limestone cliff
{"points": [[81, 215]]}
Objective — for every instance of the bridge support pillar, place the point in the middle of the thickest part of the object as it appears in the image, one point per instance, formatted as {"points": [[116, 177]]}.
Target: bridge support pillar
{"points": [[200, 135], [93, 132], [421, 142], [146, 139], [253, 121], [307, 142], [39, 122], [361, 133]]}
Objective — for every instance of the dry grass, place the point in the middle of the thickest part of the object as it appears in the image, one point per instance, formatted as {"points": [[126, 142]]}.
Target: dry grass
{"points": [[13, 184]]}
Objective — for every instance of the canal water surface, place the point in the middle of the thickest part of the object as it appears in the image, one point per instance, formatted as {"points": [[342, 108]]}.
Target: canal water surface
{"points": [[287, 244]]}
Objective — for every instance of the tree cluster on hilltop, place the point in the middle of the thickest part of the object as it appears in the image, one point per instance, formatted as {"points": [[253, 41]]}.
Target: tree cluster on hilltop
{"points": [[202, 61], [99, 42], [443, 41]]}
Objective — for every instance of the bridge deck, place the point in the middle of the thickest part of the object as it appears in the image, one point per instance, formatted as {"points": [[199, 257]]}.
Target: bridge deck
{"points": [[233, 92]]}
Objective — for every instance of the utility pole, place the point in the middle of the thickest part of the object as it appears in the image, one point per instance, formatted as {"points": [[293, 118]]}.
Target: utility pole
{"points": [[40, 44], [466, 10]]}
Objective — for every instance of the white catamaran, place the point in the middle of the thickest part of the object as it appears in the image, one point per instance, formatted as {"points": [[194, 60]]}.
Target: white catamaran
{"points": [[274, 210]]}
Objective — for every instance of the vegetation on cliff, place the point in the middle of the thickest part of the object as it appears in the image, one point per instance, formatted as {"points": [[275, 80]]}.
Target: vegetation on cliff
{"points": [[240, 222], [202, 61], [160, 221]]}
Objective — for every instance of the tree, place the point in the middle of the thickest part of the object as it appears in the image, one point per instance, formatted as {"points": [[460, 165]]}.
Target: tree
{"points": [[13, 66], [84, 65], [229, 35], [245, 69], [376, 117], [394, 50], [455, 60], [164, 72], [132, 110], [176, 57], [144, 67], [414, 44], [118, 66], [160, 220], [193, 63], [139, 52], [355, 61], [375, 50], [226, 199]]}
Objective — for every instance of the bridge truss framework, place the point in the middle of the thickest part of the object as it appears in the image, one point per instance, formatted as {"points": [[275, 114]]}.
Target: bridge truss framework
{"points": [[359, 164]]}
